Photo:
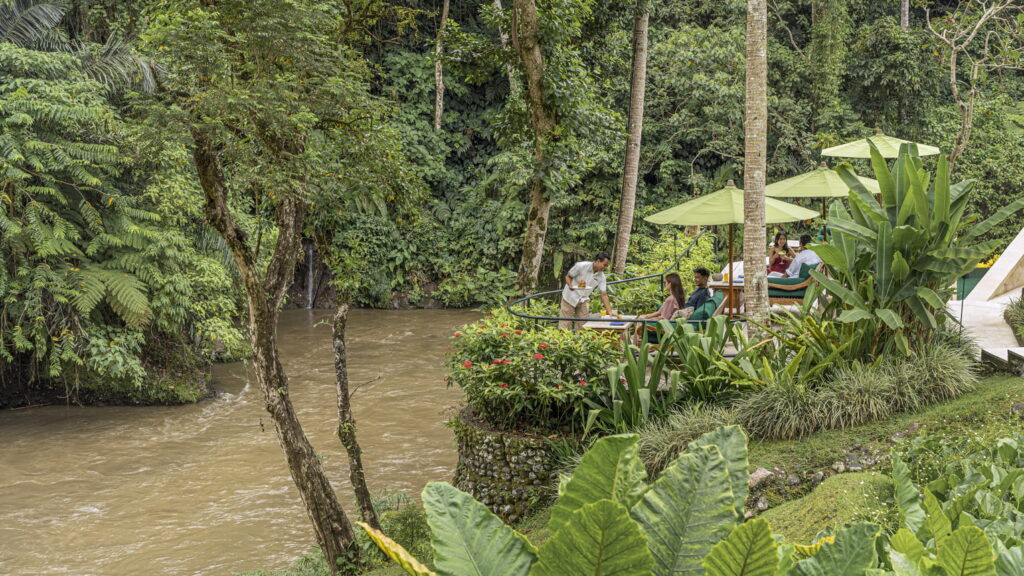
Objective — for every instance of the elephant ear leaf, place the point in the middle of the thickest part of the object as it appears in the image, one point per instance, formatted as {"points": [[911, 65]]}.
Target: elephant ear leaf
{"points": [[395, 552], [687, 511], [732, 443], [610, 470], [852, 553], [1010, 562], [908, 499], [469, 540], [599, 539], [749, 550], [967, 552]]}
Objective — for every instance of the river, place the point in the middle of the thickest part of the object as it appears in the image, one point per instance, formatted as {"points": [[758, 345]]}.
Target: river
{"points": [[204, 488]]}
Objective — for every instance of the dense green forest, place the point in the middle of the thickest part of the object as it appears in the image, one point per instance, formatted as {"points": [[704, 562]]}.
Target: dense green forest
{"points": [[113, 283]]}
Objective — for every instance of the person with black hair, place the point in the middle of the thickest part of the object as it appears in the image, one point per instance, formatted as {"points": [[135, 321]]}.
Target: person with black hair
{"points": [[580, 282], [701, 293], [804, 256]]}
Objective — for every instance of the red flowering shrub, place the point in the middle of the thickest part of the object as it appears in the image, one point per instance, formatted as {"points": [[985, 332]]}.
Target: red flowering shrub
{"points": [[511, 385]]}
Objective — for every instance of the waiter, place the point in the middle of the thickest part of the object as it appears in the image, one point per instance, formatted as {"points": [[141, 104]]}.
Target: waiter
{"points": [[580, 282]]}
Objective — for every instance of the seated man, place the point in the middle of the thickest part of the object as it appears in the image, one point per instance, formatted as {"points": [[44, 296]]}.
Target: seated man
{"points": [[701, 293], [804, 256]]}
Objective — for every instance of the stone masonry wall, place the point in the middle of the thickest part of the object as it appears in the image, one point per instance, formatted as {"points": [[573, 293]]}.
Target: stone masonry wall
{"points": [[512, 473]]}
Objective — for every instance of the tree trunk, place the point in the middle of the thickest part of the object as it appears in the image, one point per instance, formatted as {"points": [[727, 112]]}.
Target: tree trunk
{"points": [[439, 68], [330, 524], [513, 79], [905, 15], [755, 240], [347, 423], [526, 40], [631, 170], [966, 107]]}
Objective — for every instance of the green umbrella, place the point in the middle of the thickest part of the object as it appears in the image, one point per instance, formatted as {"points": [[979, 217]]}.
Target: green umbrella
{"points": [[725, 206], [889, 146], [822, 182]]}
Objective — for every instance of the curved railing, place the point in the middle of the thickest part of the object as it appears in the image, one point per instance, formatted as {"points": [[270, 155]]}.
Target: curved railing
{"points": [[525, 300]]}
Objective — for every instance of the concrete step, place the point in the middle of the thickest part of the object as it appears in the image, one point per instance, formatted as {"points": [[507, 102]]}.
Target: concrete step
{"points": [[1015, 356], [998, 358]]}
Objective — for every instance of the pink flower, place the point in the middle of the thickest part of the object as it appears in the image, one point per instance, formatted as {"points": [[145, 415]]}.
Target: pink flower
{"points": [[583, 382], [504, 385], [503, 335], [519, 332], [542, 345], [458, 334], [557, 386], [467, 364], [498, 361], [538, 356]]}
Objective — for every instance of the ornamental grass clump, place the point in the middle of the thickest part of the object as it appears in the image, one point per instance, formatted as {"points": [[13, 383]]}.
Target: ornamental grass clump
{"points": [[661, 441], [855, 395], [521, 379], [783, 409]]}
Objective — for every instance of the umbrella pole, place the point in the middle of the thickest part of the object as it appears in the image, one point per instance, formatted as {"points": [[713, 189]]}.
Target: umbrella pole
{"points": [[732, 296]]}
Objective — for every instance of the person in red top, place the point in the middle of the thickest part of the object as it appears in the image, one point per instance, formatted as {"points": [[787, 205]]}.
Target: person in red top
{"points": [[781, 254]]}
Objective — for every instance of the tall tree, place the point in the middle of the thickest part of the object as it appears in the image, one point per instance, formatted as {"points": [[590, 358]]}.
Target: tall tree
{"points": [[631, 168], [439, 68], [979, 38], [257, 87], [526, 40], [905, 15], [755, 239]]}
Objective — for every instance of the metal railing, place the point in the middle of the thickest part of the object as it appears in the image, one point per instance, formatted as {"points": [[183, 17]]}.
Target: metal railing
{"points": [[525, 300]]}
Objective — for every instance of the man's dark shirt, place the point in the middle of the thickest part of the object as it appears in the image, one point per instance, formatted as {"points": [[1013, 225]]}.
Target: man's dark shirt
{"points": [[698, 298]]}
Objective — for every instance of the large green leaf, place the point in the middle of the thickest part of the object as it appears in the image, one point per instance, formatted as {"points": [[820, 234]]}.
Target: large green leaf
{"points": [[748, 551], [883, 261], [600, 539], [936, 523], [852, 553], [908, 499], [994, 220], [905, 543], [967, 552], [610, 470], [831, 255], [891, 319], [687, 511], [396, 552], [1010, 562], [732, 443], [931, 297], [941, 199], [899, 269], [854, 315], [468, 539]]}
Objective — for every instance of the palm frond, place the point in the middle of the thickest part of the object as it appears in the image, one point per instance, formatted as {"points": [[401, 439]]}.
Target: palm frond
{"points": [[25, 22], [115, 64]]}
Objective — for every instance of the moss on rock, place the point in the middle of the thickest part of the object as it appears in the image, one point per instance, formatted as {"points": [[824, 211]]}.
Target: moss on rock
{"points": [[843, 498], [513, 474]]}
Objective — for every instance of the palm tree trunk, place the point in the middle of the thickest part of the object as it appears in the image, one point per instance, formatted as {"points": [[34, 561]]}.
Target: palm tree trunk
{"points": [[631, 170], [439, 68], [905, 15], [527, 43], [755, 156]]}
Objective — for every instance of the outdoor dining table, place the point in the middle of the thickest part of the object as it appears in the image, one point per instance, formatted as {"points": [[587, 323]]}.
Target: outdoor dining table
{"points": [[609, 323], [733, 302]]}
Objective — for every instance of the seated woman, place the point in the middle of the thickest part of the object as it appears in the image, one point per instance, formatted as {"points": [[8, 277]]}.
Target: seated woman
{"points": [[675, 301], [780, 256]]}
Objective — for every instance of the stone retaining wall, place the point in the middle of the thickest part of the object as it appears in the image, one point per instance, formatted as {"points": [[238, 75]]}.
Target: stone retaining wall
{"points": [[512, 473]]}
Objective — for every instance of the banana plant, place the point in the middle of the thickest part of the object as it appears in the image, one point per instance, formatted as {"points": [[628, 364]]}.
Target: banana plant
{"points": [[892, 261]]}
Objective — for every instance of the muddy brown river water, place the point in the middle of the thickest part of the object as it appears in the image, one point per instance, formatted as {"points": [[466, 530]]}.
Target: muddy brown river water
{"points": [[204, 489]]}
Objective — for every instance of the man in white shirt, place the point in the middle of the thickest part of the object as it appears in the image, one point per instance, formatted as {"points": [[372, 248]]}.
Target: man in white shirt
{"points": [[804, 256], [580, 282]]}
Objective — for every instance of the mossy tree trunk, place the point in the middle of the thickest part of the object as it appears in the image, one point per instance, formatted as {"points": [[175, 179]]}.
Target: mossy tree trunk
{"points": [[264, 295], [527, 43], [347, 422]]}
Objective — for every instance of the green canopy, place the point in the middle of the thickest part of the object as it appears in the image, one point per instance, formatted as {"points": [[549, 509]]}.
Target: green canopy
{"points": [[889, 146], [822, 182], [726, 207]]}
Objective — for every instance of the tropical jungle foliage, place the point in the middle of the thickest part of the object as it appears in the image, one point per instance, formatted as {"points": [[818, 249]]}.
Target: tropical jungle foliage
{"points": [[610, 519]]}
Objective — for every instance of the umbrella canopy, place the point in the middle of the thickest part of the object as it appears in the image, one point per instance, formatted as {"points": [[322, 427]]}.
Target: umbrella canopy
{"points": [[889, 147], [822, 182], [726, 207]]}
